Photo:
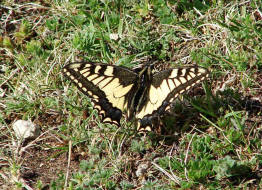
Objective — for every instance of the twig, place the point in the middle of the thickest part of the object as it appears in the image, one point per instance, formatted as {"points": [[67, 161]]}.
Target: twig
{"points": [[174, 178], [11, 75], [185, 161], [22, 149], [68, 164]]}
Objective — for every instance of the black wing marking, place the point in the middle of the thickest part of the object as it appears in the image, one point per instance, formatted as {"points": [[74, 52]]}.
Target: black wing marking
{"points": [[108, 87], [168, 85]]}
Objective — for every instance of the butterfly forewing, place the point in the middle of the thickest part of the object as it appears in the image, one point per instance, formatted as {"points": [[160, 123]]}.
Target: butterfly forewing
{"points": [[107, 86]]}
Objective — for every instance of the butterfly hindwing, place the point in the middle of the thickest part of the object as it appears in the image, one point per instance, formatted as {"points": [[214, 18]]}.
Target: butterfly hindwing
{"points": [[168, 85], [108, 87]]}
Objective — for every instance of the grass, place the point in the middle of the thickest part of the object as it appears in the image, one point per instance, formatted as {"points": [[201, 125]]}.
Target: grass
{"points": [[212, 140]]}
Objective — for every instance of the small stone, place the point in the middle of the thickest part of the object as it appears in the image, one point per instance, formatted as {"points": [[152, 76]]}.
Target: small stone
{"points": [[113, 36], [25, 130], [2, 93], [142, 169]]}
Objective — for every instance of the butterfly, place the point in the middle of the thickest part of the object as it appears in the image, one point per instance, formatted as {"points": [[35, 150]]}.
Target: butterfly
{"points": [[142, 94]]}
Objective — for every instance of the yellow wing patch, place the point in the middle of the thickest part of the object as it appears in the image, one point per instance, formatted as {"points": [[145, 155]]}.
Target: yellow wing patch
{"points": [[97, 80], [120, 91], [109, 71]]}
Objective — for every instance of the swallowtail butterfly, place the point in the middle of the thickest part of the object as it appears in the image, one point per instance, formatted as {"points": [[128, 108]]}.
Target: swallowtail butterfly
{"points": [[141, 94]]}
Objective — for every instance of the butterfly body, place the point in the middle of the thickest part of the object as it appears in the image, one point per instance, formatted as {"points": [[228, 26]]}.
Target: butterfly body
{"points": [[141, 94]]}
